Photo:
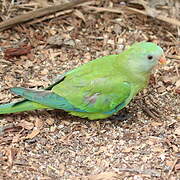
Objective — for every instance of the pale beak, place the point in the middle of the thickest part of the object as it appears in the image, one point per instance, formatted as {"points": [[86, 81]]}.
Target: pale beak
{"points": [[163, 60]]}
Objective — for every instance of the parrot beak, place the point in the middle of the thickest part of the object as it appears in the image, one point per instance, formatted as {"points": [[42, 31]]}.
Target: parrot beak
{"points": [[162, 60]]}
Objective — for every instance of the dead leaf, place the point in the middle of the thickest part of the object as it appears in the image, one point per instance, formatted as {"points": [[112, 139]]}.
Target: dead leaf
{"points": [[50, 121], [161, 89], [155, 124], [103, 176], [158, 149], [11, 154], [60, 1], [16, 138], [42, 3], [177, 91], [33, 134], [175, 148], [61, 169], [26, 125], [178, 116], [178, 84], [177, 131], [55, 40], [177, 167], [10, 53], [39, 123], [169, 79], [79, 15], [127, 150], [169, 163]]}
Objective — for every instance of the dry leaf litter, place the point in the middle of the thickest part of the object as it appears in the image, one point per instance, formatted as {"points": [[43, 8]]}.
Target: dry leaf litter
{"points": [[140, 142]]}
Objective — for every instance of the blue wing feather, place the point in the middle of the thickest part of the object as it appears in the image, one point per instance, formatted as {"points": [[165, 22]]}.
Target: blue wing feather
{"points": [[53, 100], [47, 98]]}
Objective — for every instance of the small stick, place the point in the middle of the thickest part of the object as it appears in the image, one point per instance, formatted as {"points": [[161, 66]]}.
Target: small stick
{"points": [[173, 57], [149, 112], [120, 11], [38, 13], [172, 167], [159, 17], [148, 171]]}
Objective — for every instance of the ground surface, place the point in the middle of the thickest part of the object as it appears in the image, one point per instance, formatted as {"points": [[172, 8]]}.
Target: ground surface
{"points": [[134, 144]]}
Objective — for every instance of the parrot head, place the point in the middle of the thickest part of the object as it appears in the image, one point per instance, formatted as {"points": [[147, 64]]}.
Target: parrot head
{"points": [[144, 56]]}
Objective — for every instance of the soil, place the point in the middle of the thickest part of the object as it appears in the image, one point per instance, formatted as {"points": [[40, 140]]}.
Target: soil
{"points": [[140, 142]]}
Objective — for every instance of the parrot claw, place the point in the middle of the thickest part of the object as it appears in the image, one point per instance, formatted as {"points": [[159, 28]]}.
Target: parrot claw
{"points": [[122, 116]]}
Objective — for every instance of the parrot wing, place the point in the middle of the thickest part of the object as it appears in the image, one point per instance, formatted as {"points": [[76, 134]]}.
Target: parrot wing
{"points": [[85, 89], [97, 102], [96, 95], [45, 97]]}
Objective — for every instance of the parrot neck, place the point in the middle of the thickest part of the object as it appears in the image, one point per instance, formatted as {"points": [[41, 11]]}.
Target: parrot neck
{"points": [[141, 77], [134, 74], [132, 70]]}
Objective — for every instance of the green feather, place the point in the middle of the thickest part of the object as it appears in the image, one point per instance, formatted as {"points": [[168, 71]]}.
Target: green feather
{"points": [[20, 107], [97, 89]]}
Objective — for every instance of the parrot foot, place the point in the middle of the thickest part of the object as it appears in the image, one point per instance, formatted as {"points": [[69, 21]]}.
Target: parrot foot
{"points": [[123, 115]]}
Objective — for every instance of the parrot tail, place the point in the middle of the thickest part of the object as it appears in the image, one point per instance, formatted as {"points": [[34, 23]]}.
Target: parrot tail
{"points": [[24, 105]]}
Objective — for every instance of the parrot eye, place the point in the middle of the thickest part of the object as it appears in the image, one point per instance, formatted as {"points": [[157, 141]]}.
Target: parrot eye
{"points": [[150, 57]]}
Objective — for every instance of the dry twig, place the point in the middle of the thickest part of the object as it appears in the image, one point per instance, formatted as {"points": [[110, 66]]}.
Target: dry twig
{"points": [[175, 57], [120, 11], [159, 17], [39, 13], [136, 170], [154, 114], [172, 167]]}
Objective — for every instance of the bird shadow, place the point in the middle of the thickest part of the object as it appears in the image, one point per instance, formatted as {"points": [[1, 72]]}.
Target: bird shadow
{"points": [[59, 115]]}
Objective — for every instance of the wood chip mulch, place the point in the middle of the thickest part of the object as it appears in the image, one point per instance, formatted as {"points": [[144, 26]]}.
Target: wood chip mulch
{"points": [[141, 142]]}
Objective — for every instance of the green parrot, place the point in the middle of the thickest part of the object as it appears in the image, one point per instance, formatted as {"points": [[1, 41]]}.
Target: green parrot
{"points": [[97, 89]]}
